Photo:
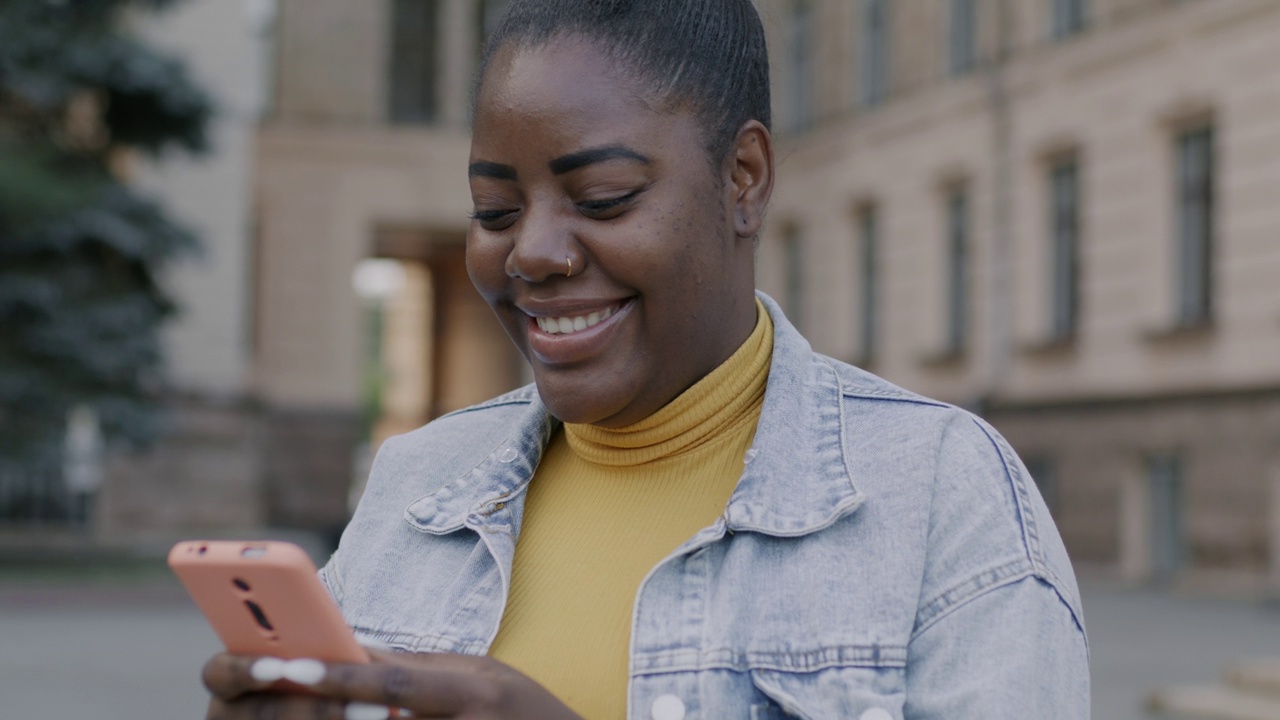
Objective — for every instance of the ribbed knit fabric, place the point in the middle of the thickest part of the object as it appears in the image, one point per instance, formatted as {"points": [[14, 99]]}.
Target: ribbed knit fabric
{"points": [[606, 506]]}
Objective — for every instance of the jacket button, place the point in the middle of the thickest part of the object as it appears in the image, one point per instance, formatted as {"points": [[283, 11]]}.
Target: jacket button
{"points": [[507, 455], [876, 714], [667, 707]]}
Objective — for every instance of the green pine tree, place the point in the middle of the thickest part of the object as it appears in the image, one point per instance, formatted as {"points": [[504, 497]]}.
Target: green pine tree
{"points": [[81, 251]]}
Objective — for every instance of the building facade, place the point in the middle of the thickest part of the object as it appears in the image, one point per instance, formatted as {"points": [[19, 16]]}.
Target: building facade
{"points": [[1062, 215], [363, 156], [1058, 213]]}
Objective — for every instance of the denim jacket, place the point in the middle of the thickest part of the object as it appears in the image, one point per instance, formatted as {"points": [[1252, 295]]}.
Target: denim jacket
{"points": [[883, 556]]}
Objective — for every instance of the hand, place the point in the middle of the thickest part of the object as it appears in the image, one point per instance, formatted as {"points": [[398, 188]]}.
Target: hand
{"points": [[429, 685]]}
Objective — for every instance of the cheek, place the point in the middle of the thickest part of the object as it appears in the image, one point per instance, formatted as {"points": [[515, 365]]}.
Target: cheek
{"points": [[486, 265]]}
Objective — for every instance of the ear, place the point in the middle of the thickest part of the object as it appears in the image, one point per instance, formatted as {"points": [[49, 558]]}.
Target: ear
{"points": [[750, 177]]}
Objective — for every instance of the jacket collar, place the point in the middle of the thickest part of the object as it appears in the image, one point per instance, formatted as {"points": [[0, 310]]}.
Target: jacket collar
{"points": [[796, 479], [497, 483]]}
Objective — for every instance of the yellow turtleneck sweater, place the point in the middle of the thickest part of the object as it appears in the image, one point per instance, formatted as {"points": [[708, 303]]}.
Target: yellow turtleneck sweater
{"points": [[607, 505]]}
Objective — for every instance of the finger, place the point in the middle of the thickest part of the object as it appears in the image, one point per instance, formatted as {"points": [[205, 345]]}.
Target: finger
{"points": [[274, 706], [430, 685], [231, 676]]}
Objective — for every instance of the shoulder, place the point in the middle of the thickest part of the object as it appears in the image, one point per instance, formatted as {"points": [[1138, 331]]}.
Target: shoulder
{"points": [[466, 432], [986, 525], [418, 462]]}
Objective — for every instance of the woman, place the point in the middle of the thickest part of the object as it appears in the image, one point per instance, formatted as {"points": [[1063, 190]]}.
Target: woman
{"points": [[691, 514]]}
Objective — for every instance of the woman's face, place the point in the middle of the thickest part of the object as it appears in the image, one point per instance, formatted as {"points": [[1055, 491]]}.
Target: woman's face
{"points": [[608, 245]]}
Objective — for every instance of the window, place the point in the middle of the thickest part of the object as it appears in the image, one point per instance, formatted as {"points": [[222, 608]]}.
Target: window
{"points": [[1195, 167], [800, 65], [1064, 260], [1168, 534], [869, 287], [1069, 17], [414, 65], [874, 75], [957, 270], [793, 247], [963, 40]]}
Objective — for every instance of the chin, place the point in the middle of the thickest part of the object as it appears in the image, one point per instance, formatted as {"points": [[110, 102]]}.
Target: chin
{"points": [[562, 403]]}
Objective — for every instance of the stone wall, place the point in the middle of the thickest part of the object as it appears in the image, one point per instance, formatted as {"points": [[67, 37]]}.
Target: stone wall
{"points": [[1098, 454], [232, 469], [204, 473], [308, 460]]}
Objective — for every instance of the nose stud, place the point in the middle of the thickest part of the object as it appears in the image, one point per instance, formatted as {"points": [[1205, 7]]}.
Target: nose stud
{"points": [[568, 261]]}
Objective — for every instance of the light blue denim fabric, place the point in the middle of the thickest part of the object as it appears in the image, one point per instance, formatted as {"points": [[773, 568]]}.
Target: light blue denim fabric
{"points": [[883, 556]]}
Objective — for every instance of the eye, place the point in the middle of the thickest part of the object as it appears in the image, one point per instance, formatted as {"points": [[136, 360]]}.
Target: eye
{"points": [[607, 208], [494, 219]]}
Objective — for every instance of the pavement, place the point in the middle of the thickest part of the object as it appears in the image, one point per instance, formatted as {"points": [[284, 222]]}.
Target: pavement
{"points": [[133, 650], [1145, 640]]}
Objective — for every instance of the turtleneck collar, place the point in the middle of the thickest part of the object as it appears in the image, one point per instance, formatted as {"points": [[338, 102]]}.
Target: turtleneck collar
{"points": [[727, 398]]}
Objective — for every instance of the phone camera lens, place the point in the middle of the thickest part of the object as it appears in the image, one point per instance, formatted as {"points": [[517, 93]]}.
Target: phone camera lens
{"points": [[241, 584]]}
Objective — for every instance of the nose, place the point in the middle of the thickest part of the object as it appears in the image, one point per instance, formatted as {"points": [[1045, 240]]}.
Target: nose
{"points": [[544, 247]]}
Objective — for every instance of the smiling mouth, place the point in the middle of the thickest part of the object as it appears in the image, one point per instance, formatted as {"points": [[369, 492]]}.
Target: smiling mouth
{"points": [[571, 324]]}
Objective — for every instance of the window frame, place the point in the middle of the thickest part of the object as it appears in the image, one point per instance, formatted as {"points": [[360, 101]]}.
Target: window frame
{"points": [[414, 68], [1068, 18], [1064, 216], [1166, 488], [1195, 171], [800, 66], [962, 37], [959, 250], [793, 263], [870, 230], [874, 56]]}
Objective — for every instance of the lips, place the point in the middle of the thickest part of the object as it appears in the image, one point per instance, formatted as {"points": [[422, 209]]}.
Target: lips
{"points": [[562, 336]]}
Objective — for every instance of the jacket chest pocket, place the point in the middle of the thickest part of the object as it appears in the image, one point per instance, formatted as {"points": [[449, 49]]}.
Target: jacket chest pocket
{"points": [[855, 693]]}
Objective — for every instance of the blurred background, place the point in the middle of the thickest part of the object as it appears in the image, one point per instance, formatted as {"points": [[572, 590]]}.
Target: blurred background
{"points": [[231, 264]]}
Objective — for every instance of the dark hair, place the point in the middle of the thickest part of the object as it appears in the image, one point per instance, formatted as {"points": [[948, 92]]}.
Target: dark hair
{"points": [[708, 55]]}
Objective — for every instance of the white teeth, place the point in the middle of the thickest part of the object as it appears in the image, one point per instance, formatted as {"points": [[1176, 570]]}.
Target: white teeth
{"points": [[567, 325]]}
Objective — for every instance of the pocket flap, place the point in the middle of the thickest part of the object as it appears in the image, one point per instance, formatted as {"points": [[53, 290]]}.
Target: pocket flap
{"points": [[856, 693]]}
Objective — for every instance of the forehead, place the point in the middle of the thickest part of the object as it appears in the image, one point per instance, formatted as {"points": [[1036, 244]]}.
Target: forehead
{"points": [[567, 87]]}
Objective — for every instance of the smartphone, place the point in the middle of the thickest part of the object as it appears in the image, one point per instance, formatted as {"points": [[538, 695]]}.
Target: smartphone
{"points": [[263, 598]]}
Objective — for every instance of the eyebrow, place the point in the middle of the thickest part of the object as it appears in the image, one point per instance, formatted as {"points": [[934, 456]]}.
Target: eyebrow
{"points": [[582, 158], [494, 170]]}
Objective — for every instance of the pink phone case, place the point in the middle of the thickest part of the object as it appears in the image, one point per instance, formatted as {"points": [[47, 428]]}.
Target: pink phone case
{"points": [[263, 598]]}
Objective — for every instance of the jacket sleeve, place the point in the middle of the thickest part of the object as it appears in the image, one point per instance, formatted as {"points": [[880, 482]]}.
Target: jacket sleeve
{"points": [[1012, 652], [999, 632]]}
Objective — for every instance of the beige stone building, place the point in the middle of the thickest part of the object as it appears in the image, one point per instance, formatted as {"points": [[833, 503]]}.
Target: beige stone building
{"points": [[1059, 213], [1062, 214]]}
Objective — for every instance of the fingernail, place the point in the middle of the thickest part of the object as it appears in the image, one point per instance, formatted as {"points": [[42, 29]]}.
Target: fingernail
{"points": [[366, 711], [267, 669], [304, 671]]}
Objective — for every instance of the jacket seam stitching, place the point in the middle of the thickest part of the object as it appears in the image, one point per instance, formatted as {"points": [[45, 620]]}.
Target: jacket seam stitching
{"points": [[967, 591], [866, 656], [1050, 582], [415, 643], [1026, 522]]}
